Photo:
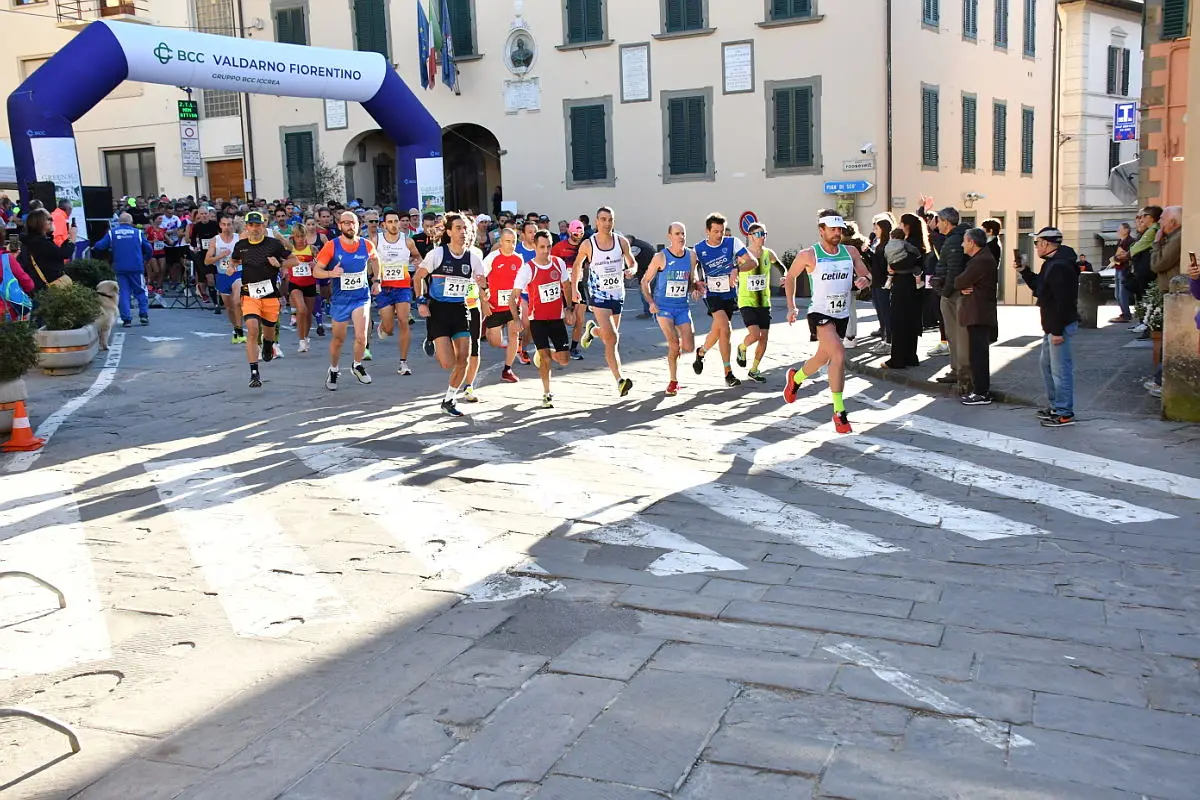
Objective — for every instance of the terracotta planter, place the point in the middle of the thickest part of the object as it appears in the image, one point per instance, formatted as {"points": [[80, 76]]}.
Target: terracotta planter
{"points": [[67, 352], [1156, 338], [10, 392]]}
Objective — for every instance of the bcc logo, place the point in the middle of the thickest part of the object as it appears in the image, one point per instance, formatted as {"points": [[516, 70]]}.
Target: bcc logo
{"points": [[165, 54]]}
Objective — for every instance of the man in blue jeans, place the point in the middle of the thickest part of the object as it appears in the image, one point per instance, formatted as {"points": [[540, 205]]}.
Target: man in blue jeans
{"points": [[1056, 287], [130, 251]]}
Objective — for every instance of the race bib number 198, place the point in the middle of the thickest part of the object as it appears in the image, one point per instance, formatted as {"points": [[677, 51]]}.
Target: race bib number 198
{"points": [[756, 283]]}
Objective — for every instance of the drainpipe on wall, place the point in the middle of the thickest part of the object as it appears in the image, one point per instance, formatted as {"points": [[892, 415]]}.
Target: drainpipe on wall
{"points": [[248, 125], [1055, 127], [888, 82]]}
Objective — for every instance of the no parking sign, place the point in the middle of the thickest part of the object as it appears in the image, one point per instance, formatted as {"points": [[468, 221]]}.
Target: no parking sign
{"points": [[748, 219]]}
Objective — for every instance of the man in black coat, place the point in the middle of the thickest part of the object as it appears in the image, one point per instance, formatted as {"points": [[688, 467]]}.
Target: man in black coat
{"points": [[1057, 290], [951, 262]]}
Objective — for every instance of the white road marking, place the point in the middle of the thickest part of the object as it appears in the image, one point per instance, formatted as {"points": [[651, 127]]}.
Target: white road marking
{"points": [[1095, 466], [684, 556], [157, 339], [476, 448], [43, 535], [1006, 484], [986, 730], [460, 553], [874, 492], [209, 334], [20, 462], [825, 537], [266, 584]]}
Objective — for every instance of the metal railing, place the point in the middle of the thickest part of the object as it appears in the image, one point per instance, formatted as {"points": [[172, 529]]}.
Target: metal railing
{"points": [[88, 10]]}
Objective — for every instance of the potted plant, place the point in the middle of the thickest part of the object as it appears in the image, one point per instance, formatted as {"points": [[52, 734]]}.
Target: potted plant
{"points": [[90, 271], [18, 355], [67, 340]]}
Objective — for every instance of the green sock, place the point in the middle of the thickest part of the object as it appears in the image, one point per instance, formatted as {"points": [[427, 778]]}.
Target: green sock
{"points": [[755, 367], [839, 405], [799, 377]]}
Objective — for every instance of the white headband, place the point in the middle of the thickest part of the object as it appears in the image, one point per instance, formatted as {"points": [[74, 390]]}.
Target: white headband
{"points": [[832, 222]]}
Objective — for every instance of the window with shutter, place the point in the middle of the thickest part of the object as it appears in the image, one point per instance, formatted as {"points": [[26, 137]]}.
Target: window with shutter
{"points": [[1001, 33], [584, 21], [929, 126], [971, 19], [969, 121], [683, 15], [370, 26], [300, 160], [931, 11], [1026, 141], [686, 119], [462, 26], [1114, 68], [790, 9], [795, 136], [589, 144], [1125, 59], [289, 26], [1031, 28], [1114, 152], [999, 136], [1174, 19]]}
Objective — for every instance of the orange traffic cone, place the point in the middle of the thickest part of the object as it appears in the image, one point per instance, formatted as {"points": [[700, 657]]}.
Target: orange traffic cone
{"points": [[22, 438]]}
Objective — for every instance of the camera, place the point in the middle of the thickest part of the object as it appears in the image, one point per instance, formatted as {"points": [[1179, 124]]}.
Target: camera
{"points": [[868, 148]]}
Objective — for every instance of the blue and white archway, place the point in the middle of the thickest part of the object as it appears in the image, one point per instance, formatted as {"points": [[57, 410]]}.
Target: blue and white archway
{"points": [[42, 110]]}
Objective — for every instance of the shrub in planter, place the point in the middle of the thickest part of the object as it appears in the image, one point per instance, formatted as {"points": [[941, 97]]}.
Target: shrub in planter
{"points": [[90, 271], [67, 308], [18, 350]]}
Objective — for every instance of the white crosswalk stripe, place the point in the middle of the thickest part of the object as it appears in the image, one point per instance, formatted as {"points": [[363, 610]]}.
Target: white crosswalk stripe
{"points": [[43, 536], [265, 583]]}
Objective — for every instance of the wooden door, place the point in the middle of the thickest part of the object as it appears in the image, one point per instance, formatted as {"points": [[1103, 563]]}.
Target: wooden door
{"points": [[226, 179]]}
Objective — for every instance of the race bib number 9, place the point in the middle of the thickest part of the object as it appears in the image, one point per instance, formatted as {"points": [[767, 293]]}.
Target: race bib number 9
{"points": [[260, 289], [302, 270], [718, 283], [838, 303], [756, 283], [549, 292], [394, 272], [504, 296], [456, 287], [676, 289], [354, 280]]}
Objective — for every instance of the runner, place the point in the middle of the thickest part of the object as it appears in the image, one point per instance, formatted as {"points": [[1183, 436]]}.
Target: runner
{"points": [[835, 271], [259, 258], [474, 327], [754, 300], [351, 264], [526, 249], [546, 280], [610, 262], [201, 232], [371, 218], [567, 249], [396, 252], [228, 280], [302, 286], [668, 297], [443, 282], [501, 268], [720, 257]]}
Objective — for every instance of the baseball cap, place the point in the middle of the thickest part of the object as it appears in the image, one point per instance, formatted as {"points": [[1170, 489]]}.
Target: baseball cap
{"points": [[1050, 235], [575, 227], [255, 217], [353, 204], [483, 218], [543, 218]]}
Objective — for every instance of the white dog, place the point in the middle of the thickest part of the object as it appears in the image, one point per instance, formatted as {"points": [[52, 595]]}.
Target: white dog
{"points": [[109, 291]]}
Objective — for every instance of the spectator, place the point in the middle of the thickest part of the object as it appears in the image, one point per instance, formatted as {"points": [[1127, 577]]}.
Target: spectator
{"points": [[1083, 264], [993, 228], [880, 288], [15, 284], [1139, 276], [588, 230], [483, 236], [907, 296], [497, 199], [1120, 269], [564, 231], [1166, 256], [1057, 290], [977, 312], [1194, 284], [43, 260], [951, 262], [131, 250], [63, 223]]}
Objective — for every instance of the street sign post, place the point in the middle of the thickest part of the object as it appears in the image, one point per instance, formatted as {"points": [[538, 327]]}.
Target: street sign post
{"points": [[858, 165], [748, 219], [1125, 122], [189, 139], [189, 111], [847, 187]]}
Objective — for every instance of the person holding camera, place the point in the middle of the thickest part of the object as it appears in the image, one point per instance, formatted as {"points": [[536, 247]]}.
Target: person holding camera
{"points": [[40, 257]]}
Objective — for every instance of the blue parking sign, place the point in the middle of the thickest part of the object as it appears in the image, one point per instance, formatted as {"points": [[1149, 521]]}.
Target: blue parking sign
{"points": [[1125, 122]]}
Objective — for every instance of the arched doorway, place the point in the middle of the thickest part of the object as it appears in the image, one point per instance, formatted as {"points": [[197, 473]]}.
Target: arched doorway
{"points": [[472, 165], [369, 164]]}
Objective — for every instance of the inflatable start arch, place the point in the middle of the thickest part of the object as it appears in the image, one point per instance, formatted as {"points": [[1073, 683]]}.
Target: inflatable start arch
{"points": [[42, 109]]}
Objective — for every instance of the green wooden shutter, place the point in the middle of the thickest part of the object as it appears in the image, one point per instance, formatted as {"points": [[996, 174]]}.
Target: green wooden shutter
{"points": [[684, 15], [585, 21], [461, 27], [929, 127], [1114, 153], [1031, 27], [687, 136], [1026, 141], [790, 9], [1114, 66], [370, 26], [1001, 32], [589, 145], [300, 159], [931, 11], [794, 140], [969, 132], [971, 19], [999, 137], [1125, 60], [1174, 19], [784, 133], [289, 26]]}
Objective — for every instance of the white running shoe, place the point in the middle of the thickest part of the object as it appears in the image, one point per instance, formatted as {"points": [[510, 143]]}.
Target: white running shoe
{"points": [[278, 350], [942, 349], [403, 369], [379, 334], [303, 348]]}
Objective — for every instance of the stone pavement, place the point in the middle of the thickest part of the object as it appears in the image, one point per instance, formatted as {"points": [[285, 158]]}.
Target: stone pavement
{"points": [[1110, 365], [299, 594]]}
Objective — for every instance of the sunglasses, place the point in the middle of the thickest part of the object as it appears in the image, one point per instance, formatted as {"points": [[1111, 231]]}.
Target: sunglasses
{"points": [[759, 235]]}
